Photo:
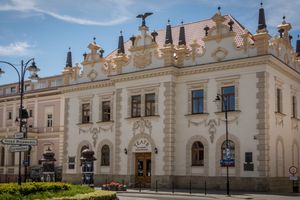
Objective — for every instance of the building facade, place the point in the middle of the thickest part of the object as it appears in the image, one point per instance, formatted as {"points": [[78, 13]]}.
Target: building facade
{"points": [[148, 109]]}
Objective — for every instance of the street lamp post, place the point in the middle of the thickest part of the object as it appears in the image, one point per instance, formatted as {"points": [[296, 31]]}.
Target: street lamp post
{"points": [[223, 99], [24, 67]]}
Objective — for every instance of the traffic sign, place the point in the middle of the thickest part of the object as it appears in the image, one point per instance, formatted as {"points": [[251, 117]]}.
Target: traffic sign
{"points": [[19, 135], [19, 148], [293, 178], [9, 141], [227, 162]]}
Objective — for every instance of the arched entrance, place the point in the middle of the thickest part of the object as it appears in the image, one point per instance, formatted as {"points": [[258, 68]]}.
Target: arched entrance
{"points": [[142, 150], [141, 160]]}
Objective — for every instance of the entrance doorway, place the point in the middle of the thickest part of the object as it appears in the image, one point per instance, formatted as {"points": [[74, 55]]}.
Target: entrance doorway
{"points": [[143, 169]]}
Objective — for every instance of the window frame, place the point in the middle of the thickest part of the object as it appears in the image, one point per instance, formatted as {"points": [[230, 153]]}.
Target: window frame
{"points": [[279, 100], [197, 157], [199, 100], [85, 113], [151, 103], [73, 159], [229, 98], [106, 111], [136, 107], [105, 155], [294, 106], [49, 120]]}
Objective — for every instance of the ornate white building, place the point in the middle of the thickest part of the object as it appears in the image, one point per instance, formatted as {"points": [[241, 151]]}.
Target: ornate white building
{"points": [[148, 109]]}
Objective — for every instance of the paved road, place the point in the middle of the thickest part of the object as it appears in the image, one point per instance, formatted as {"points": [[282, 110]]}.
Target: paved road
{"points": [[145, 196]]}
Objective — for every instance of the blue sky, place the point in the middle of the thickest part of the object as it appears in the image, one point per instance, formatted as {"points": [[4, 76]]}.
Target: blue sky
{"points": [[45, 29]]}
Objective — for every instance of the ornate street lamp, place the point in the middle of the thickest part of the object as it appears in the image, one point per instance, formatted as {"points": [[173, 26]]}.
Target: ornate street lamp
{"points": [[223, 99], [48, 165], [33, 69]]}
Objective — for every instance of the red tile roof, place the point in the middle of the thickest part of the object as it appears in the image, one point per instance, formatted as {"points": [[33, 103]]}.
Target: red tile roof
{"points": [[193, 31]]}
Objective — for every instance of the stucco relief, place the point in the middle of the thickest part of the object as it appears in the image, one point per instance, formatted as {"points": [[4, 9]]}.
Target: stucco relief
{"points": [[141, 125], [92, 75], [94, 131], [219, 54], [142, 59]]}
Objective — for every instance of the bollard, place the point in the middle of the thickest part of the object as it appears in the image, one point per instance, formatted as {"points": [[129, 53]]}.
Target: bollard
{"points": [[156, 186], [205, 187], [190, 186], [172, 186], [140, 187]]}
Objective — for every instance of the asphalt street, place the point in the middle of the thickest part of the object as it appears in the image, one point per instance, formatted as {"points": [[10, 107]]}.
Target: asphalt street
{"points": [[152, 196]]}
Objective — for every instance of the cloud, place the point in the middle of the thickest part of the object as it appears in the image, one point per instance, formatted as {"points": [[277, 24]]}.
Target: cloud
{"points": [[97, 13], [16, 48]]}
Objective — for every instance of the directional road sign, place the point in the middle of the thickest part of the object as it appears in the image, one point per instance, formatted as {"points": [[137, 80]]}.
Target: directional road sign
{"points": [[10, 141], [19, 148]]}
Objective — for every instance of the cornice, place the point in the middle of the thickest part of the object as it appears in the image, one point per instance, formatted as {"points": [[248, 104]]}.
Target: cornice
{"points": [[86, 86]]}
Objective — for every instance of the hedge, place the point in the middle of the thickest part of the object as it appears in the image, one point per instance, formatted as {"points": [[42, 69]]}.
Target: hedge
{"points": [[33, 187], [97, 195]]}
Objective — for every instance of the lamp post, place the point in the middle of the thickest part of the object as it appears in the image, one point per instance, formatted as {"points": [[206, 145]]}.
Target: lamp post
{"points": [[33, 69], [223, 99]]}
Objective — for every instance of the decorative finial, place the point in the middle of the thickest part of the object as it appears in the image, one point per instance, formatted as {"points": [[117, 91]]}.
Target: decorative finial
{"points": [[94, 38], [219, 8], [206, 29], [169, 21], [143, 17], [121, 33], [182, 22], [69, 48], [261, 3], [298, 36]]}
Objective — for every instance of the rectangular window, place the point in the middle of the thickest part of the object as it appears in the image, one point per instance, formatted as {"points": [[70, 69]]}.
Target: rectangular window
{"points": [[27, 87], [136, 106], [197, 101], [278, 98], [71, 162], [105, 111], [9, 115], [49, 120], [150, 104], [228, 94], [30, 113], [248, 157], [294, 107], [13, 90], [85, 113]]}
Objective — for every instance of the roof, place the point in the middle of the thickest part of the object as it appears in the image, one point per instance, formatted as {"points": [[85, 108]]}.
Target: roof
{"points": [[193, 31]]}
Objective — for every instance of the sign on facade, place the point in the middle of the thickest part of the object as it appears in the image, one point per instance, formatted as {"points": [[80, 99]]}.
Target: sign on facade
{"points": [[9, 141], [141, 145]]}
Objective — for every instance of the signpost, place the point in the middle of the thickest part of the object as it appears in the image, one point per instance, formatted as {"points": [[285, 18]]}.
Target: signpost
{"points": [[9, 141], [293, 171], [19, 148]]}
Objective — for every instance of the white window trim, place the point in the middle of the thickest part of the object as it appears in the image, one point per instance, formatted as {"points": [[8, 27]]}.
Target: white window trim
{"points": [[196, 85]]}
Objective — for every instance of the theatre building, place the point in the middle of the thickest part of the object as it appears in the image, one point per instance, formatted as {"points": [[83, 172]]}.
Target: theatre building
{"points": [[153, 111], [148, 109]]}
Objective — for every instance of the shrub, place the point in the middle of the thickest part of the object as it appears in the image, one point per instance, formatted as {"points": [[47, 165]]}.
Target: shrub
{"points": [[96, 195], [114, 186]]}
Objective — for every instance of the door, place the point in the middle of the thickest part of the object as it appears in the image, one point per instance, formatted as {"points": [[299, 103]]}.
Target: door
{"points": [[143, 169]]}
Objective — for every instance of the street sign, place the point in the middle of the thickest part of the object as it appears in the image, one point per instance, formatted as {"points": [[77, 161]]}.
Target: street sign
{"points": [[9, 141], [293, 170], [19, 135], [293, 178], [228, 162], [19, 148]]}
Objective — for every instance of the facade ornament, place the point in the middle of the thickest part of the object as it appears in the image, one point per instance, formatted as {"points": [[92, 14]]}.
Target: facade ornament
{"points": [[142, 59], [219, 54], [92, 75], [211, 124], [94, 131], [141, 125]]}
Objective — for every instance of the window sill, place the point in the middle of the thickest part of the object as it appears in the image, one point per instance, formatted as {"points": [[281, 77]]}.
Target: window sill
{"points": [[152, 116], [231, 115], [84, 124], [197, 116], [280, 114], [197, 166], [229, 112], [105, 122]]}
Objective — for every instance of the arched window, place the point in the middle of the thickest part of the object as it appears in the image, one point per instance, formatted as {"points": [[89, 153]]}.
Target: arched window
{"points": [[197, 154], [2, 156], [230, 154], [105, 155]]}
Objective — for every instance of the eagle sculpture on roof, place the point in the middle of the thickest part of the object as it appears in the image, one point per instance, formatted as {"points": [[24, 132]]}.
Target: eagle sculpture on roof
{"points": [[144, 16]]}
